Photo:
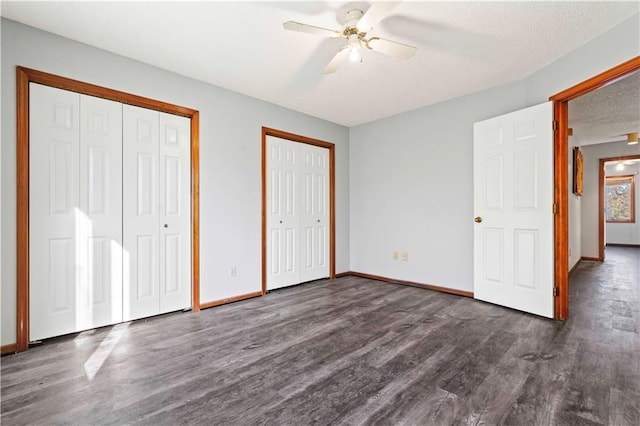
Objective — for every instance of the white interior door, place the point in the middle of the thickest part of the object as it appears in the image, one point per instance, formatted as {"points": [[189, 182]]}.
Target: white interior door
{"points": [[314, 216], [513, 198], [54, 153], [175, 212], [282, 213], [141, 223], [100, 214]]}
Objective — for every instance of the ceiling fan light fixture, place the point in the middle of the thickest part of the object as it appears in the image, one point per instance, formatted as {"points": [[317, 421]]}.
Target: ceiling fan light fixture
{"points": [[354, 55], [632, 138], [354, 49]]}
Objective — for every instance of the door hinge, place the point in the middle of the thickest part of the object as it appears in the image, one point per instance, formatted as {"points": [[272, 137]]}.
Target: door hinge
{"points": [[554, 208], [555, 125], [556, 291]]}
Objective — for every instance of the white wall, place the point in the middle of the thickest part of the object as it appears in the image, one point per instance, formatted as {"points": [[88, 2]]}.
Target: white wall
{"points": [[590, 202], [230, 144], [412, 178], [625, 233], [412, 189]]}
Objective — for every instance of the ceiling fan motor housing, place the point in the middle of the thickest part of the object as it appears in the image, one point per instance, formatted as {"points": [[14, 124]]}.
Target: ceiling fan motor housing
{"points": [[353, 16]]}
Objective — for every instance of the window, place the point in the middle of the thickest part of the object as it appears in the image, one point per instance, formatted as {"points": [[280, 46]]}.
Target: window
{"points": [[619, 193]]}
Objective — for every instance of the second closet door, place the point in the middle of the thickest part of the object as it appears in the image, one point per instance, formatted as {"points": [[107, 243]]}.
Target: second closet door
{"points": [[156, 205], [297, 212]]}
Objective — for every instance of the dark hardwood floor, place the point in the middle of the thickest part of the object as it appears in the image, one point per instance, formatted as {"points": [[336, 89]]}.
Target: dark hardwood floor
{"points": [[349, 351]]}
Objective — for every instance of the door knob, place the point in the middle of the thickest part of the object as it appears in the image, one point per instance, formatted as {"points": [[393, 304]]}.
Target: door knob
{"points": [[166, 226], [477, 219]]}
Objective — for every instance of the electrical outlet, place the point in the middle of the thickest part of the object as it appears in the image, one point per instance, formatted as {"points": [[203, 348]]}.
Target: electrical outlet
{"points": [[395, 255], [232, 272], [405, 256]]}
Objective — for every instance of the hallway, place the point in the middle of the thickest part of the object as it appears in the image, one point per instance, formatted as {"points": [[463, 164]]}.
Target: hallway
{"points": [[607, 294], [603, 327]]}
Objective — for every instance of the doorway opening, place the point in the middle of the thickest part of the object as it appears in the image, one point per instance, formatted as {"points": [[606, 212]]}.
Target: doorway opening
{"points": [[561, 171], [632, 164]]}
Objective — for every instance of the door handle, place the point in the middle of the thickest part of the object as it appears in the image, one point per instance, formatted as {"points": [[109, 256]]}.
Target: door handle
{"points": [[477, 219]]}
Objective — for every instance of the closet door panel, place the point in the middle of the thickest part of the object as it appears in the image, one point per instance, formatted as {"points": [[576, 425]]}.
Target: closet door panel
{"points": [[175, 213], [282, 213], [140, 213], [54, 213], [100, 235], [314, 213]]}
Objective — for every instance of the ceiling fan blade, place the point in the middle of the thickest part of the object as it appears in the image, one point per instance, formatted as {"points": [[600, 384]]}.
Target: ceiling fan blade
{"points": [[337, 60], [392, 48], [311, 29], [376, 13]]}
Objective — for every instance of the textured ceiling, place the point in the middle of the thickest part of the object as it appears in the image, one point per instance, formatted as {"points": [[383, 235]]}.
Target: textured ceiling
{"points": [[607, 114], [463, 47]]}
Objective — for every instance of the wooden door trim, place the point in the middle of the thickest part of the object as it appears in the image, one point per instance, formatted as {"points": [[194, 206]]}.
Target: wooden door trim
{"points": [[24, 76], [266, 131], [601, 221], [561, 172]]}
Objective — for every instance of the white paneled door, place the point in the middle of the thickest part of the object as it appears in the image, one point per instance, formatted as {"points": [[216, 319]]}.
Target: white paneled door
{"points": [[141, 232], [513, 201], [100, 214], [75, 196], [109, 212], [297, 212], [157, 228], [282, 213], [313, 212], [175, 212]]}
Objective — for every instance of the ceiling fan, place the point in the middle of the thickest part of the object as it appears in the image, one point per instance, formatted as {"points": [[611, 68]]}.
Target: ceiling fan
{"points": [[356, 31]]}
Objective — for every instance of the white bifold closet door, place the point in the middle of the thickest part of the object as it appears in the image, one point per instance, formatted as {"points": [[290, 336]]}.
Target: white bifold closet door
{"points": [[157, 229], [109, 212], [297, 212], [75, 212]]}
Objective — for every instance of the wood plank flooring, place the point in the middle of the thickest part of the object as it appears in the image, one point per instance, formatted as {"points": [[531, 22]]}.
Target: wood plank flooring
{"points": [[350, 351]]}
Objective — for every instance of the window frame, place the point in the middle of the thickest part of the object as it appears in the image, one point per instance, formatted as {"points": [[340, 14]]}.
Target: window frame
{"points": [[632, 196]]}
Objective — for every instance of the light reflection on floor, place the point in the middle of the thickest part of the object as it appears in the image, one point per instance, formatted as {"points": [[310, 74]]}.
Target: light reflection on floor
{"points": [[102, 352]]}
